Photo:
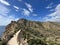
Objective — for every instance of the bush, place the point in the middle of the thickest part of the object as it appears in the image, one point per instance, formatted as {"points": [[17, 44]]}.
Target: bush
{"points": [[3, 42], [36, 42]]}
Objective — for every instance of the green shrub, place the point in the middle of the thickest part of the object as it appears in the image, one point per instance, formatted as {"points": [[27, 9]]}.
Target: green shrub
{"points": [[36, 42]]}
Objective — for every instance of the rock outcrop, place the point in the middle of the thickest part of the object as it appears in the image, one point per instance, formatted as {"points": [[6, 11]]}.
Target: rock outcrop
{"points": [[9, 31]]}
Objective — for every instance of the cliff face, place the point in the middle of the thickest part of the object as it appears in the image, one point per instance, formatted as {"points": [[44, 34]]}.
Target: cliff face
{"points": [[38, 33]]}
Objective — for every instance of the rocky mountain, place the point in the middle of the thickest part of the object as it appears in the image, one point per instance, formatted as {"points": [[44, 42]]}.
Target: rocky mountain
{"points": [[36, 33]]}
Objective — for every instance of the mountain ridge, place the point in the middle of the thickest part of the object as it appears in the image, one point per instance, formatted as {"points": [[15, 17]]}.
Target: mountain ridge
{"points": [[44, 31]]}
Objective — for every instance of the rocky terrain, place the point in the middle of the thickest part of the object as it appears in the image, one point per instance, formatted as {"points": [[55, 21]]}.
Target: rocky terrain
{"points": [[36, 33]]}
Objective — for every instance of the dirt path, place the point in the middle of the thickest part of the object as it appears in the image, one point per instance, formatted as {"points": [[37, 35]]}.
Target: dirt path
{"points": [[13, 40]]}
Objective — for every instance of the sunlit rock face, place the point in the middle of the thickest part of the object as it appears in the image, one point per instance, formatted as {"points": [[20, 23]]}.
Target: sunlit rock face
{"points": [[9, 32]]}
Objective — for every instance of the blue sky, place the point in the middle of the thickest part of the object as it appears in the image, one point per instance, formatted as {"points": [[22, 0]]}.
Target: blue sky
{"points": [[38, 10]]}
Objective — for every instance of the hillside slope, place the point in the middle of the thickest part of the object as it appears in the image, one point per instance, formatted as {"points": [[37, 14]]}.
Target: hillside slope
{"points": [[36, 33]]}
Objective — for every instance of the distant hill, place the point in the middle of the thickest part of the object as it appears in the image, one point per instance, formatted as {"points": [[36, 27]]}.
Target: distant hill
{"points": [[37, 33], [2, 29]]}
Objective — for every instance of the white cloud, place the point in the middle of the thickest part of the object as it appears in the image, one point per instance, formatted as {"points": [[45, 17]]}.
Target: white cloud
{"points": [[52, 9], [55, 16], [3, 10], [49, 6], [26, 12], [16, 10], [4, 2], [34, 14], [29, 7], [4, 17], [7, 20], [16, 7]]}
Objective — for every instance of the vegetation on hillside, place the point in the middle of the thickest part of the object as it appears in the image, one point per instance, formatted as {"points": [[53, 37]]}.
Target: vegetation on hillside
{"points": [[37, 33]]}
